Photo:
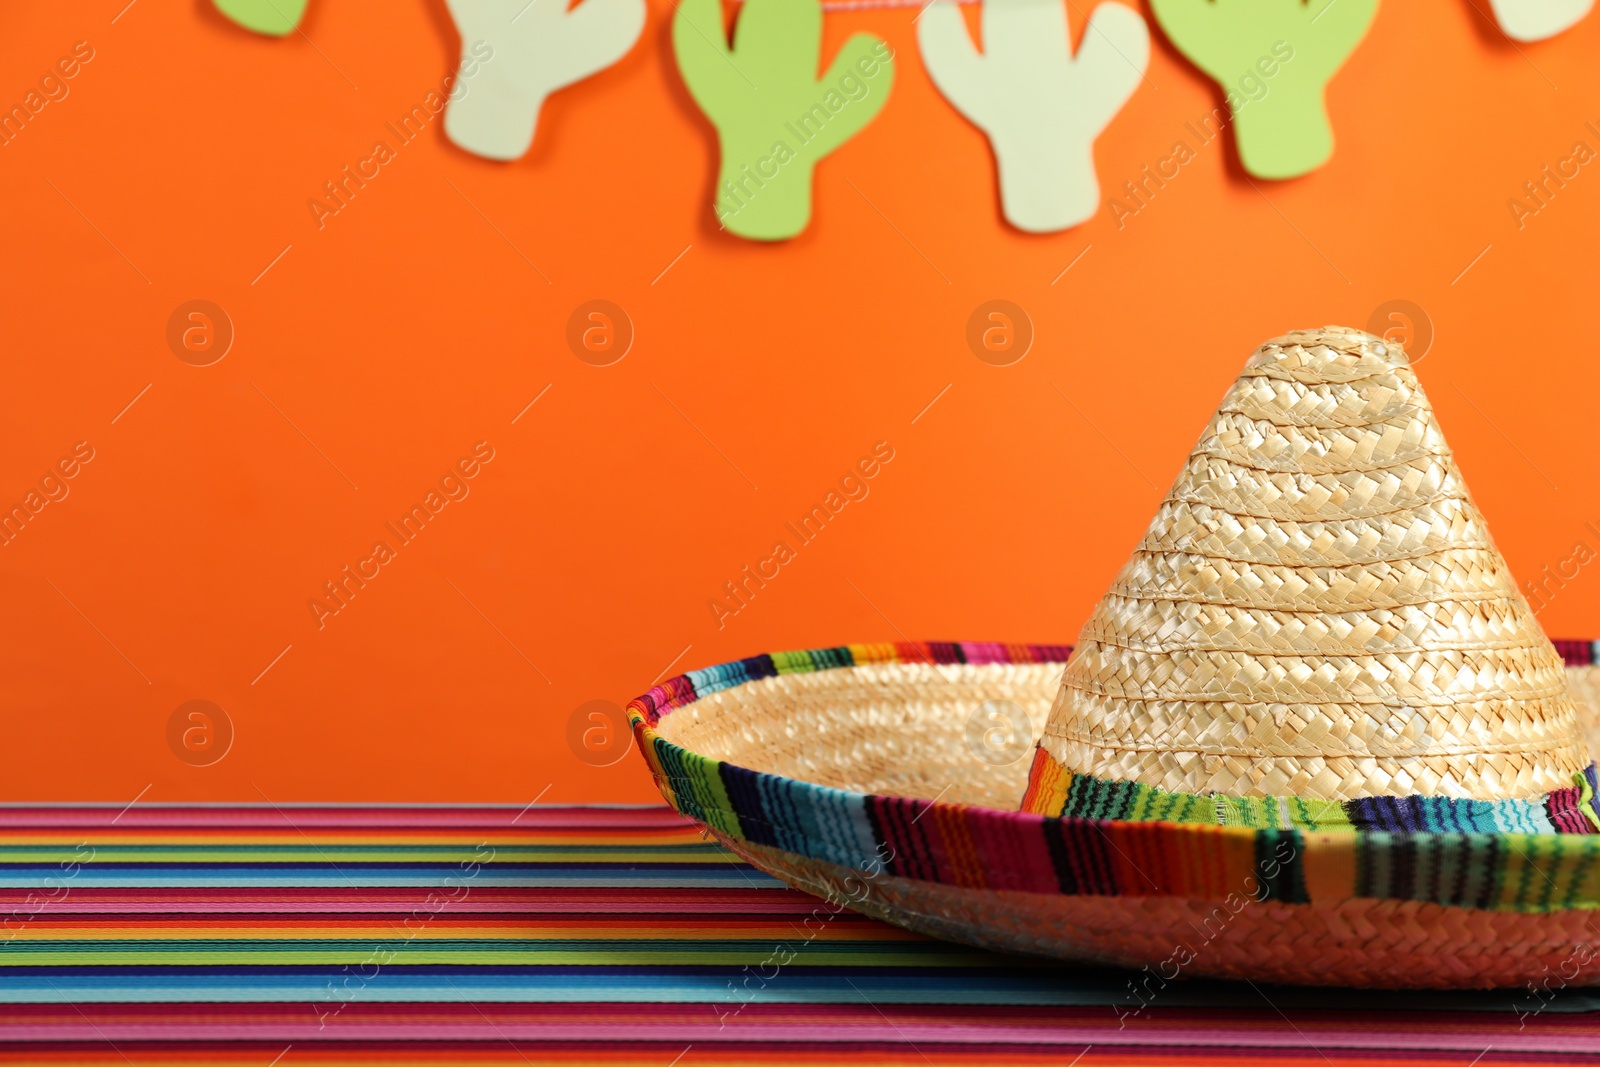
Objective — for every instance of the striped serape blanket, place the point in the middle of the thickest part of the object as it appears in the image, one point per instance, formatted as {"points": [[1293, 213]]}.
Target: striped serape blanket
{"points": [[285, 936]]}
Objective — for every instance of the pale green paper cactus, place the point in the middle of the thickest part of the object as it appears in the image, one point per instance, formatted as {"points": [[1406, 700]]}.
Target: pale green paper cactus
{"points": [[275, 18], [1273, 58], [1041, 106], [774, 117], [538, 46], [1534, 20]]}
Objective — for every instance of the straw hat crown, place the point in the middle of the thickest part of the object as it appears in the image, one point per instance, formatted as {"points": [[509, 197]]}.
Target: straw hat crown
{"points": [[1318, 609]]}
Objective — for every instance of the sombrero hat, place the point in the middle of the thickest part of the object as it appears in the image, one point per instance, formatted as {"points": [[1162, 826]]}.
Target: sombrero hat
{"points": [[1312, 734]]}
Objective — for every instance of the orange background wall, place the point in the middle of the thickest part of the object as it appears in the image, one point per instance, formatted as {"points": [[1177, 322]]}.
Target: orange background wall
{"points": [[419, 321]]}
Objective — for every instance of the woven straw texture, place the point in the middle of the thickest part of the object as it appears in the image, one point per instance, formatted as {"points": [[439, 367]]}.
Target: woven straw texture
{"points": [[1318, 610], [1384, 944], [880, 728], [1357, 907], [1584, 685]]}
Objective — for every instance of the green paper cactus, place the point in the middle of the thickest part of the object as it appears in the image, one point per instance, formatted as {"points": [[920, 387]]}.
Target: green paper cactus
{"points": [[275, 18], [1041, 105], [774, 117], [538, 46], [1273, 58]]}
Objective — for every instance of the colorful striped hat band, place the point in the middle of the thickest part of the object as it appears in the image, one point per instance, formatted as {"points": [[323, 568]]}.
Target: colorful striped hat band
{"points": [[1314, 683]]}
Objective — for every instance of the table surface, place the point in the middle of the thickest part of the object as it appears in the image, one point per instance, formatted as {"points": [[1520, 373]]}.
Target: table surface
{"points": [[292, 935]]}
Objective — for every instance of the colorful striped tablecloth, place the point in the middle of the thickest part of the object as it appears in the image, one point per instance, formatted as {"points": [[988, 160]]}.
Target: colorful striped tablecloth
{"points": [[279, 935]]}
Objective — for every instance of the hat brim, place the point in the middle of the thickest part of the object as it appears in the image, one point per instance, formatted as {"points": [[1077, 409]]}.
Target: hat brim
{"points": [[878, 777]]}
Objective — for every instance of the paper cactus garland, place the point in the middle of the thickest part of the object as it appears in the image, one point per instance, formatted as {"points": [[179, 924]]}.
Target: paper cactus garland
{"points": [[1273, 59], [1534, 20], [275, 18], [774, 117], [1041, 106], [538, 47]]}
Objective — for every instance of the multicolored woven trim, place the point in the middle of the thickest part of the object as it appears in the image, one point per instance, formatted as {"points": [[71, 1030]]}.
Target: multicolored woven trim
{"points": [[1579, 653], [687, 688], [1054, 790], [985, 848]]}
